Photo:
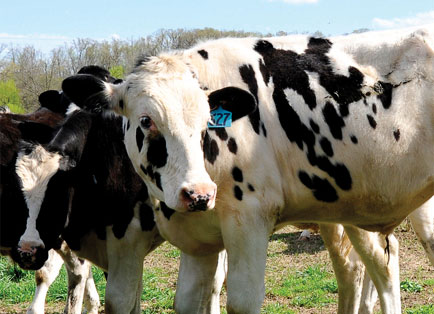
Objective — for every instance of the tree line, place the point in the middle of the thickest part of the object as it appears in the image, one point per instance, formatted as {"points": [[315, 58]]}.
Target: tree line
{"points": [[26, 72]]}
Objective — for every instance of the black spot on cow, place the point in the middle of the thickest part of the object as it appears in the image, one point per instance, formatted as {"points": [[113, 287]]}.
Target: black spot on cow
{"points": [[354, 139], [248, 75], [397, 134], [264, 72], [167, 212], [158, 180], [314, 126], [321, 188], [121, 104], [143, 169], [210, 148], [221, 133], [288, 70], [238, 193], [374, 108], [250, 187], [150, 172], [333, 120], [237, 174], [264, 130], [139, 138], [147, 222], [232, 146], [128, 125], [371, 121], [384, 93], [203, 53], [326, 146], [157, 151]]}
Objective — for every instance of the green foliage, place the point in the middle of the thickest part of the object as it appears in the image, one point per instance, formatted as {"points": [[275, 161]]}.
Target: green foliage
{"points": [[117, 71], [309, 288], [410, 286], [424, 309], [9, 96]]}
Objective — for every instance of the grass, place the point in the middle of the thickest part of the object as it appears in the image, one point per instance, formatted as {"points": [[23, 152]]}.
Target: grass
{"points": [[299, 279]]}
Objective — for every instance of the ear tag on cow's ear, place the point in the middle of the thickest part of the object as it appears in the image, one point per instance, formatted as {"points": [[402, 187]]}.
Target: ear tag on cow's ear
{"points": [[220, 118]]}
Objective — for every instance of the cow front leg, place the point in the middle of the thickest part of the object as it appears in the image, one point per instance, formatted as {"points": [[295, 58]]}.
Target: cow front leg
{"points": [[246, 243], [91, 296], [380, 256], [125, 268], [199, 284], [78, 273], [348, 268], [44, 277]]}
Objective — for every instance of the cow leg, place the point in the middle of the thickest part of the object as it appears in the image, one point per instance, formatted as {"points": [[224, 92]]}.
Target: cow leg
{"points": [[199, 283], [125, 260], [422, 220], [369, 296], [380, 256], [246, 244], [348, 268], [91, 296], [44, 278], [78, 273]]}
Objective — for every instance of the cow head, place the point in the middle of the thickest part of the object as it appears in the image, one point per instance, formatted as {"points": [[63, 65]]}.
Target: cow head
{"points": [[46, 171], [167, 113]]}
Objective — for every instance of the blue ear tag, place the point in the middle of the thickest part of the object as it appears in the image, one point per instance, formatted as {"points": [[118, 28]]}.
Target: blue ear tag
{"points": [[220, 118]]}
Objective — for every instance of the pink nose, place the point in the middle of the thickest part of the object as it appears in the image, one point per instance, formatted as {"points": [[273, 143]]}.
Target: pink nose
{"points": [[199, 198]]}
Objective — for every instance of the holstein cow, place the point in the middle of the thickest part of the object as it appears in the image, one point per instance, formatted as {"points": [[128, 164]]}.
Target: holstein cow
{"points": [[108, 219], [37, 126], [338, 130]]}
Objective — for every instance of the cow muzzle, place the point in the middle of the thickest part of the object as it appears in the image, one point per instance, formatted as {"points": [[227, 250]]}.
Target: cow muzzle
{"points": [[30, 258], [199, 197]]}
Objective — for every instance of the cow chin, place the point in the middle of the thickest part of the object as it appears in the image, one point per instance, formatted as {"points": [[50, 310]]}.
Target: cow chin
{"points": [[29, 260]]}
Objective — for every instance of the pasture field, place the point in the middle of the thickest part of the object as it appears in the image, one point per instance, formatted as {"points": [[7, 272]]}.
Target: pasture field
{"points": [[299, 279]]}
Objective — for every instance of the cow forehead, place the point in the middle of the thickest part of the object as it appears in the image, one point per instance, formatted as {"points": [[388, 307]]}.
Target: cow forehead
{"points": [[170, 95]]}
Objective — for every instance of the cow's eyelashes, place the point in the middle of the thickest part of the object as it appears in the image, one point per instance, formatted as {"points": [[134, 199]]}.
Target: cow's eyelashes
{"points": [[145, 122]]}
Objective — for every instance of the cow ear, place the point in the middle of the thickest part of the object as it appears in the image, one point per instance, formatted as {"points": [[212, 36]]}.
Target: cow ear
{"points": [[55, 101], [36, 132], [233, 99], [90, 92]]}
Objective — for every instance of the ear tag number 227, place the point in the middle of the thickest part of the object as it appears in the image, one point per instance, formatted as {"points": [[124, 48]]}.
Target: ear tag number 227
{"points": [[220, 118]]}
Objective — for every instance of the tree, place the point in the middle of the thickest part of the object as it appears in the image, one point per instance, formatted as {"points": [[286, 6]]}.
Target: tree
{"points": [[9, 96]]}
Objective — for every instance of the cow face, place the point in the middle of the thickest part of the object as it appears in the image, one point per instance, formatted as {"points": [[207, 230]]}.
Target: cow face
{"points": [[168, 114]]}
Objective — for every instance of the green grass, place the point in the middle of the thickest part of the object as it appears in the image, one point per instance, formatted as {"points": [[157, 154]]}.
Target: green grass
{"points": [[424, 309], [311, 287]]}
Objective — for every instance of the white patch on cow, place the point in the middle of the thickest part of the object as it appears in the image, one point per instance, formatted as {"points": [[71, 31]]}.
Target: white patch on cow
{"points": [[35, 171], [72, 108]]}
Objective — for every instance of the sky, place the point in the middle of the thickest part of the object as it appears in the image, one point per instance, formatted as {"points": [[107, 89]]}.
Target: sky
{"points": [[47, 24]]}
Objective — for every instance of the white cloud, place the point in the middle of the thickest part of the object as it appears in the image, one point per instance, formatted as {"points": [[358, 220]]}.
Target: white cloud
{"points": [[115, 37], [418, 19], [7, 36], [295, 1]]}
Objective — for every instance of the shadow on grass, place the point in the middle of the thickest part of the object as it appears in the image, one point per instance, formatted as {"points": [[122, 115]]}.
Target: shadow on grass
{"points": [[295, 246]]}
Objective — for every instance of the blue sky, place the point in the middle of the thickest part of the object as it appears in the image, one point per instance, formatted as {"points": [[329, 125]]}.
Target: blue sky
{"points": [[47, 24]]}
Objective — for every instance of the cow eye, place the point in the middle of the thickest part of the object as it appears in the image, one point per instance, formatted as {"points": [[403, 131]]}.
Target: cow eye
{"points": [[145, 122]]}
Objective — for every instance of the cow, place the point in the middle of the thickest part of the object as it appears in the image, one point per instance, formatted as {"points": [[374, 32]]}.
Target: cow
{"points": [[336, 130], [37, 126], [101, 207]]}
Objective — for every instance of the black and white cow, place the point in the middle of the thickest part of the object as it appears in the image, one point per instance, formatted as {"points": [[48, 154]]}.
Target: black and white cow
{"points": [[339, 130], [37, 126]]}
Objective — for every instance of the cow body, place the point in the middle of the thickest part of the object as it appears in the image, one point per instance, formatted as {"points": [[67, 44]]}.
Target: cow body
{"points": [[342, 133]]}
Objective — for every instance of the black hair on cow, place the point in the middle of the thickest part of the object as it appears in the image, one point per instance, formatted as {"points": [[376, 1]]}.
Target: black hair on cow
{"points": [[233, 99]]}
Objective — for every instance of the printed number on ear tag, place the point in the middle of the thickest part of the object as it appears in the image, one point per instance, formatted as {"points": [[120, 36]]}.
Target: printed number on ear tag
{"points": [[220, 118]]}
